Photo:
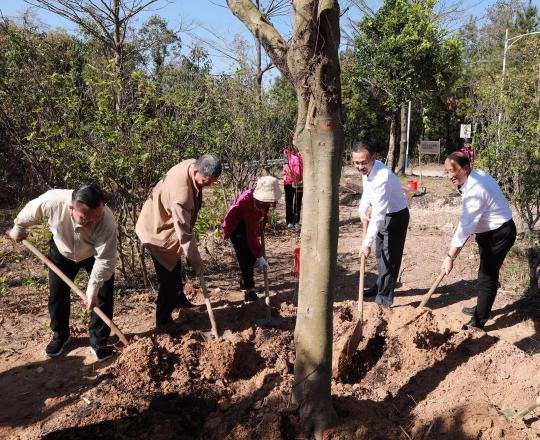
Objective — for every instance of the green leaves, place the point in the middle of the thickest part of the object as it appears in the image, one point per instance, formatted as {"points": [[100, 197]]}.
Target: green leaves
{"points": [[403, 52]]}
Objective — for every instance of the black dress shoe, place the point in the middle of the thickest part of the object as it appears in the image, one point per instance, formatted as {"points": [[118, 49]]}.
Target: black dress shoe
{"points": [[371, 292], [183, 303], [475, 323], [469, 310], [250, 296]]}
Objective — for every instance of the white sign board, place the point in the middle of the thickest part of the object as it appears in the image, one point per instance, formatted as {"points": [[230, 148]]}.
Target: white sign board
{"points": [[429, 147], [465, 131]]}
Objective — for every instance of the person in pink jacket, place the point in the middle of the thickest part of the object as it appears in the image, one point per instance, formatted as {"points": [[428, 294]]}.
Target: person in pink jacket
{"points": [[292, 183], [243, 223]]}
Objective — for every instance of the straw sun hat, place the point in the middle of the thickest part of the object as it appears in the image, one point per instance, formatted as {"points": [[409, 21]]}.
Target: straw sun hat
{"points": [[267, 189]]}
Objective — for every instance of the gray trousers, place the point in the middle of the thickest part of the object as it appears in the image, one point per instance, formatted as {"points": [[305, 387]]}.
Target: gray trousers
{"points": [[389, 251]]}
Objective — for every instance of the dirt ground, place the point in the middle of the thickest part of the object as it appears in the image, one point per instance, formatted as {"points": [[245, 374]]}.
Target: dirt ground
{"points": [[429, 379]]}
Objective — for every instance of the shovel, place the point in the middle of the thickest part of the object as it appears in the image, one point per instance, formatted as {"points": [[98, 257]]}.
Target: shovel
{"points": [[425, 299], [513, 414], [349, 347], [227, 333], [78, 291], [269, 320], [434, 286], [428, 295]]}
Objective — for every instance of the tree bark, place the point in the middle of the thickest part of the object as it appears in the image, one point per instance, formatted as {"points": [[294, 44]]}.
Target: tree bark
{"points": [[391, 143], [533, 256], [402, 141], [310, 61]]}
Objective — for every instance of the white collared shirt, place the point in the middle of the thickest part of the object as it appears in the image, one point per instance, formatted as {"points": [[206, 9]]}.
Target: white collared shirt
{"points": [[74, 241], [484, 207], [381, 190]]}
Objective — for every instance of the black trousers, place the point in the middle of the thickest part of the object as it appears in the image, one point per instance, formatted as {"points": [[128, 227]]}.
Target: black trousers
{"points": [[246, 259], [493, 245], [390, 243], [293, 203], [170, 292], [59, 298]]}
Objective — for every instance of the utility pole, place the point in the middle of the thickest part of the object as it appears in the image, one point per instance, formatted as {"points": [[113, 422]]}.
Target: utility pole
{"points": [[508, 42], [408, 131]]}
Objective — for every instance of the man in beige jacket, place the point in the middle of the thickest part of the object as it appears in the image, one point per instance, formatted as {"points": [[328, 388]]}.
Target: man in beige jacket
{"points": [[165, 228]]}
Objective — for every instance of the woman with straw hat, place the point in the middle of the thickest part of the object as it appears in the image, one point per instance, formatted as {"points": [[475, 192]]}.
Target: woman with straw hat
{"points": [[243, 224]]}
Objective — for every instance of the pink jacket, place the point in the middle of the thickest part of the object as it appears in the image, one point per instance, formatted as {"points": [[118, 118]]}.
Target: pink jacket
{"points": [[294, 168], [244, 210]]}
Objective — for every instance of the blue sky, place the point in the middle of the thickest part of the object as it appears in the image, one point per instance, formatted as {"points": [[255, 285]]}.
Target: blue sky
{"points": [[210, 21]]}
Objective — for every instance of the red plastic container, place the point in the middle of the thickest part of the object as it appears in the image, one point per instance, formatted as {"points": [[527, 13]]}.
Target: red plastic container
{"points": [[412, 185], [297, 261]]}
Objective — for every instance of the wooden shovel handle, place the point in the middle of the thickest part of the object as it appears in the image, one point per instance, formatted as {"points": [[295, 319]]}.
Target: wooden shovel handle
{"points": [[361, 286], [78, 291], [265, 275], [204, 288], [427, 296]]}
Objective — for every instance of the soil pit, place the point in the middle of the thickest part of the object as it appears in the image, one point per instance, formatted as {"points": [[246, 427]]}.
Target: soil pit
{"points": [[427, 378]]}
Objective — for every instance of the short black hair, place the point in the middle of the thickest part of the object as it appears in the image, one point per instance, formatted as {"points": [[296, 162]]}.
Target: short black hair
{"points": [[367, 145], [90, 195], [462, 159], [209, 165]]}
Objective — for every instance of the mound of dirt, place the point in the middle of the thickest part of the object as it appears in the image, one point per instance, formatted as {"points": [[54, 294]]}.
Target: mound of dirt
{"points": [[158, 363], [422, 376], [228, 359]]}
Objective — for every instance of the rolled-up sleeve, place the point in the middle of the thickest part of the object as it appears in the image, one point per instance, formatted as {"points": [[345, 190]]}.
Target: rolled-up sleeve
{"points": [[379, 207], [186, 236], [473, 208], [105, 254]]}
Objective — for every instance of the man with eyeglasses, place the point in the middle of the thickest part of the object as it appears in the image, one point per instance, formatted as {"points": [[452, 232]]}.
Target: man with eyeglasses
{"points": [[84, 235], [387, 224]]}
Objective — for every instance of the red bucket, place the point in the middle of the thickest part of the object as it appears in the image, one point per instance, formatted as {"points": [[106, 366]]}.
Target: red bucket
{"points": [[412, 185], [297, 261]]}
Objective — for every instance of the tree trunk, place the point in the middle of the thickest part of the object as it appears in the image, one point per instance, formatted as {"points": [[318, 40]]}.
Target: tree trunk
{"points": [[258, 47], [402, 141], [118, 55], [391, 144], [310, 61], [533, 255]]}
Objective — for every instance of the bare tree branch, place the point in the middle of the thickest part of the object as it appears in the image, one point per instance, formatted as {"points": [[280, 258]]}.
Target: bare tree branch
{"points": [[274, 44]]}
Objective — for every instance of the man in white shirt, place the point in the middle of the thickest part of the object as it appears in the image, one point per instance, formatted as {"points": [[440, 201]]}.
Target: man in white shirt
{"points": [[387, 225], [487, 214], [84, 237]]}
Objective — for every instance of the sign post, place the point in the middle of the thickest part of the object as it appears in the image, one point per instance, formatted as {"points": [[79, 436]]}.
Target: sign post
{"points": [[465, 131], [427, 147]]}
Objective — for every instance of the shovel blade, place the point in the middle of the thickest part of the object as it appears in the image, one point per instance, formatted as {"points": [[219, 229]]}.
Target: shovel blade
{"points": [[209, 336], [345, 351], [508, 412], [269, 322]]}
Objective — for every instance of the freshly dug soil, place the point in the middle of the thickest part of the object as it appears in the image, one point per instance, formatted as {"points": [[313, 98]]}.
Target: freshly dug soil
{"points": [[423, 378]]}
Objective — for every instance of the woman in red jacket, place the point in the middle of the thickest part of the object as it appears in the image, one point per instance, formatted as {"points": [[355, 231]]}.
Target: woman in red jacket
{"points": [[243, 224]]}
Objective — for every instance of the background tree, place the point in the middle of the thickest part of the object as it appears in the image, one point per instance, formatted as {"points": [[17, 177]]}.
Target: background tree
{"points": [[310, 62], [402, 52], [506, 137], [108, 22]]}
